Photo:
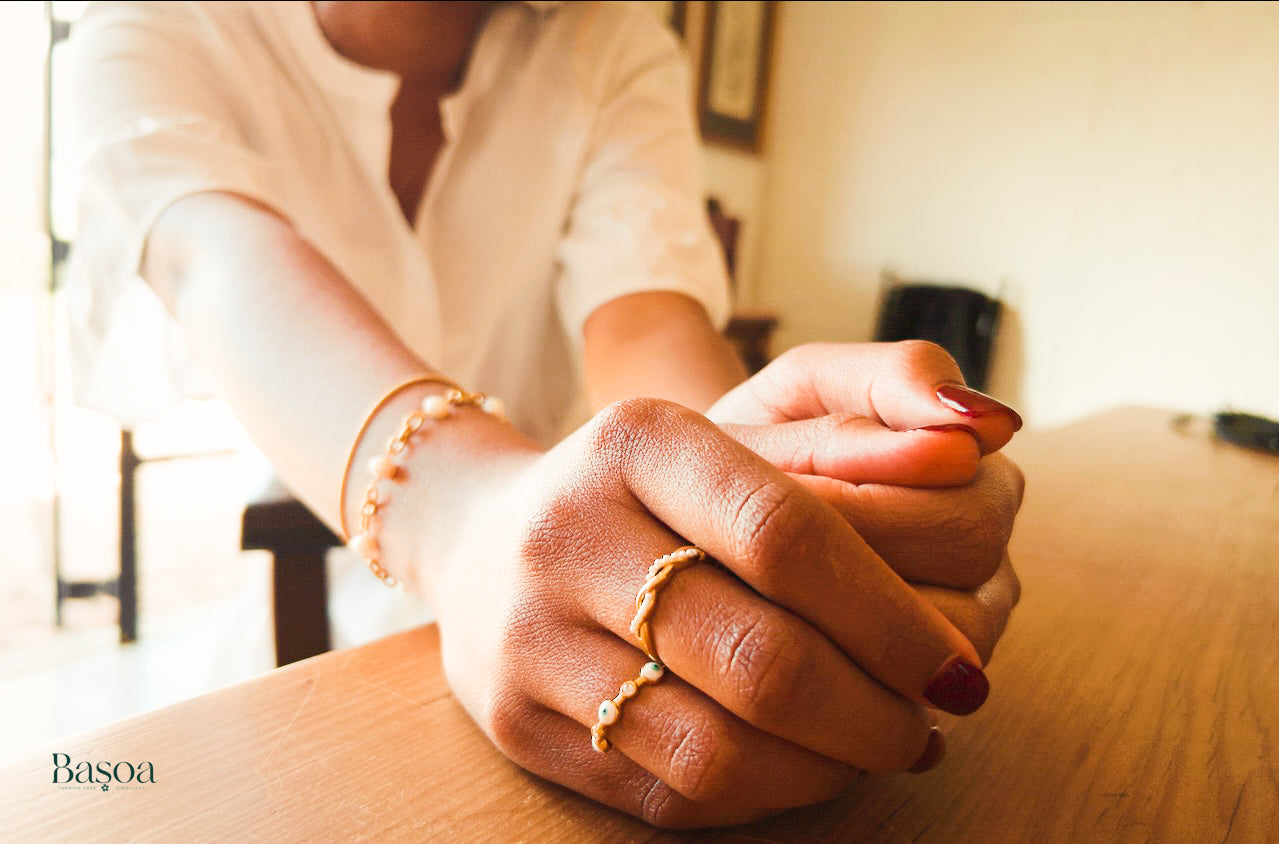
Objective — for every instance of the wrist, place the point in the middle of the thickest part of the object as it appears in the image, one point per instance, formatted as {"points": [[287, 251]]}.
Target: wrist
{"points": [[427, 457]]}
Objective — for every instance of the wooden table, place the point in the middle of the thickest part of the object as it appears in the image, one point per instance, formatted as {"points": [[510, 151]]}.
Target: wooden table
{"points": [[1135, 698]]}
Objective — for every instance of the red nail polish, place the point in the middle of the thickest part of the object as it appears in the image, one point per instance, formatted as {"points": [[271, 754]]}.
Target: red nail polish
{"points": [[933, 752], [959, 687], [971, 403], [954, 427]]}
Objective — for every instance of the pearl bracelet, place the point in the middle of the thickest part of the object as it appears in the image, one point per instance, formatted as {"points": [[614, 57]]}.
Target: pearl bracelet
{"points": [[388, 468]]}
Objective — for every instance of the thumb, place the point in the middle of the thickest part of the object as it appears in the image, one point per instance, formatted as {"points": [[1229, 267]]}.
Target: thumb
{"points": [[905, 386], [862, 451]]}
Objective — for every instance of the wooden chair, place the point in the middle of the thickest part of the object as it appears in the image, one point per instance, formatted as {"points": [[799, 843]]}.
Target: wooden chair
{"points": [[750, 332], [299, 543]]}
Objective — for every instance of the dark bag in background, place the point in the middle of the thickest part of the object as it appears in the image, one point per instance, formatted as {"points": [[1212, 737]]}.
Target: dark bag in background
{"points": [[960, 320]]}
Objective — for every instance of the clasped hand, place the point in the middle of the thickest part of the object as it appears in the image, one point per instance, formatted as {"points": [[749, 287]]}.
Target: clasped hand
{"points": [[858, 518]]}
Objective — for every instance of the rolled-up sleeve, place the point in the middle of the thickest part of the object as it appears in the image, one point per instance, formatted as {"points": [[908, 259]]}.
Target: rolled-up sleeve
{"points": [[150, 124], [638, 222], [153, 121]]}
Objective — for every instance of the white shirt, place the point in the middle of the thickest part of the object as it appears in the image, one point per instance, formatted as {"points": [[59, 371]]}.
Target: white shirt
{"points": [[568, 177]]}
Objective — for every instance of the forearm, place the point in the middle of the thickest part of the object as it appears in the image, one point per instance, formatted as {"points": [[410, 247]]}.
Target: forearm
{"points": [[298, 354], [659, 345]]}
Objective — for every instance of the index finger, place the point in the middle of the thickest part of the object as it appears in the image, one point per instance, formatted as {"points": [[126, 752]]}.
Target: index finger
{"points": [[790, 547], [906, 385]]}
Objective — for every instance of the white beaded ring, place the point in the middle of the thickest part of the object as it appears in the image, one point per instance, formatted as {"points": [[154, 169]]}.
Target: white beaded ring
{"points": [[651, 672], [610, 710]]}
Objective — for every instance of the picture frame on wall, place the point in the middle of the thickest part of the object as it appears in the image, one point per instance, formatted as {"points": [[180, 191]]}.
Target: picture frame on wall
{"points": [[673, 13], [736, 50]]}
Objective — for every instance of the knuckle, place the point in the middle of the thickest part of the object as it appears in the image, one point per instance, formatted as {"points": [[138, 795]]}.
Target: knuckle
{"points": [[922, 352], [514, 724], [664, 807], [1007, 484], [522, 626], [507, 706], [767, 667], [657, 805], [615, 430], [975, 530], [548, 546], [628, 424], [985, 633], [973, 544], [1006, 592], [1014, 590], [915, 355], [988, 540], [699, 760], [771, 521], [995, 604], [548, 534], [799, 357], [796, 364], [541, 534]]}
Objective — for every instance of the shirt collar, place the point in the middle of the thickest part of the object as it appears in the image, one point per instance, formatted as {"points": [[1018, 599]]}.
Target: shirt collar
{"points": [[334, 71]]}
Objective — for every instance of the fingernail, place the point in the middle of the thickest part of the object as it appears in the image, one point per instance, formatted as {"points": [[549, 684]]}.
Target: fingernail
{"points": [[955, 427], [958, 687], [971, 403], [933, 752]]}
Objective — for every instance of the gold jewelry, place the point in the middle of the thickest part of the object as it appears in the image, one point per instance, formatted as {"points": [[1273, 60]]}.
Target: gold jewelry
{"points": [[651, 672], [388, 468], [646, 598], [364, 427], [610, 710]]}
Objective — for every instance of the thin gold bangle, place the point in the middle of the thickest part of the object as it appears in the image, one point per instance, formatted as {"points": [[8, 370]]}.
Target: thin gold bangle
{"points": [[433, 408], [364, 427]]}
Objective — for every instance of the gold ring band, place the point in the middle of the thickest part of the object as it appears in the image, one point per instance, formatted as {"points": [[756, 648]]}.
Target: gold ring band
{"points": [[646, 598], [610, 710], [651, 672]]}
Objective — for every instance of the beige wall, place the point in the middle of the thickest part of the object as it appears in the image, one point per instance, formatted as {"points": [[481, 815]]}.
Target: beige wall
{"points": [[734, 176], [1114, 165]]}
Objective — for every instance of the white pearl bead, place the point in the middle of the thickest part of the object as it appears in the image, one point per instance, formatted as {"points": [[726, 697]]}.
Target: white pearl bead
{"points": [[383, 467], [436, 406], [628, 689], [652, 672], [608, 712], [494, 407], [365, 545]]}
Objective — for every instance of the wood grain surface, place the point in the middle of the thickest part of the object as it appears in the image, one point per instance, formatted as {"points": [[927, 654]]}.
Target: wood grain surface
{"points": [[1135, 697]]}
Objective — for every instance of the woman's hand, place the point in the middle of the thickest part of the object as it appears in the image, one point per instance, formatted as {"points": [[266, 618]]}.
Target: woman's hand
{"points": [[887, 435], [951, 543], [799, 660], [909, 386]]}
